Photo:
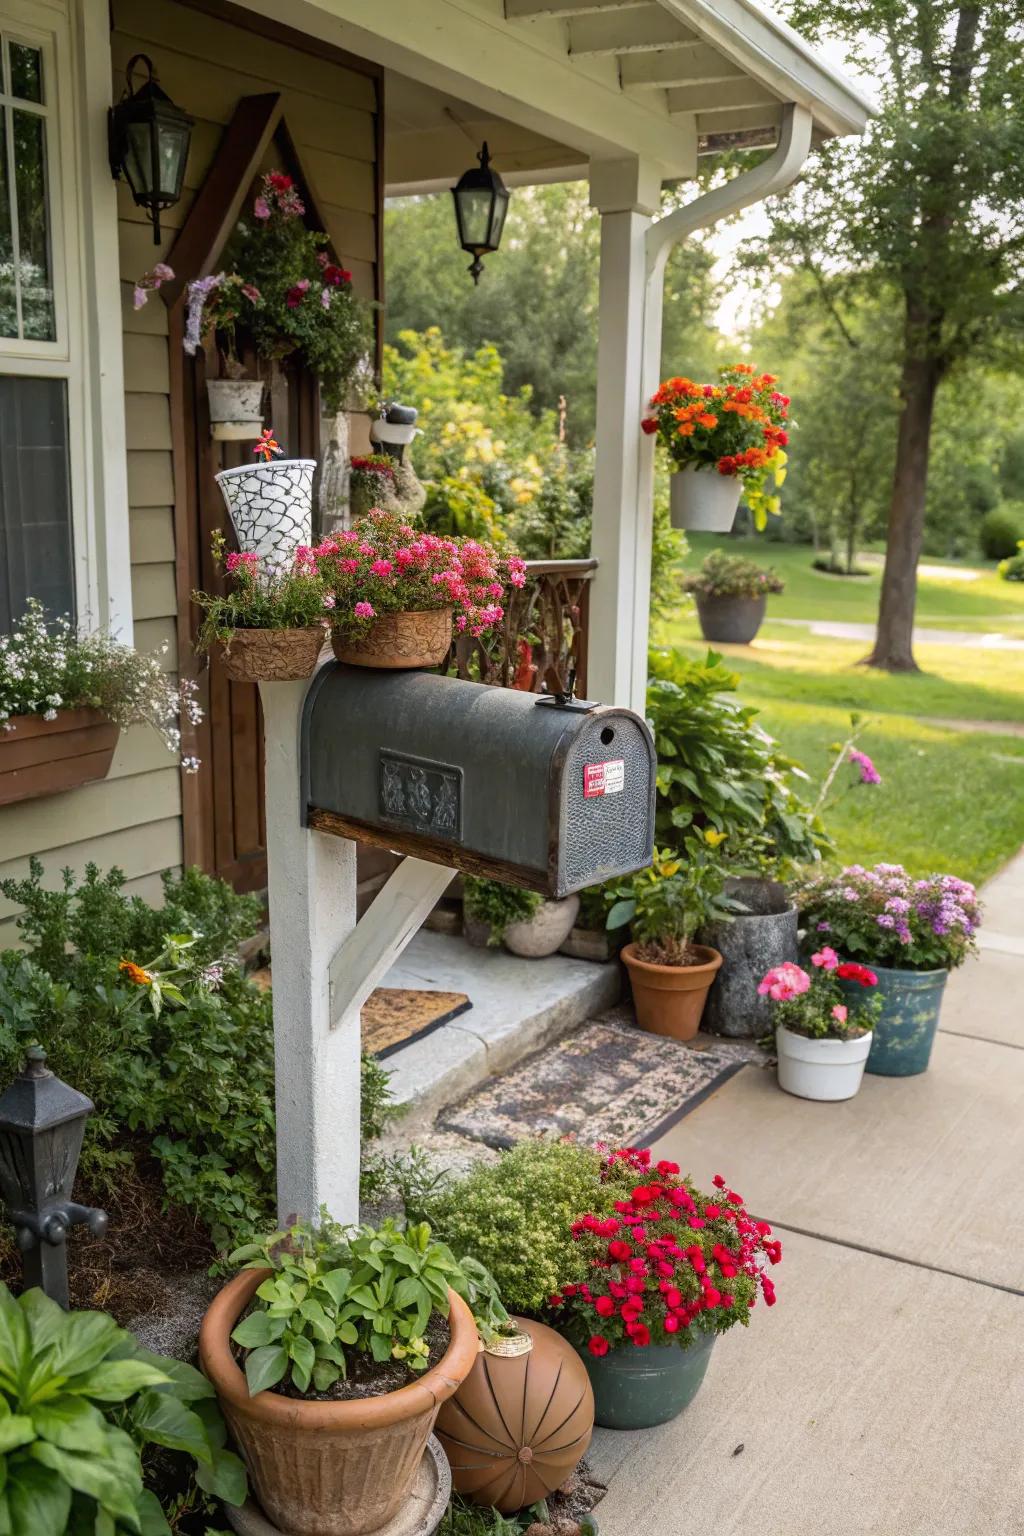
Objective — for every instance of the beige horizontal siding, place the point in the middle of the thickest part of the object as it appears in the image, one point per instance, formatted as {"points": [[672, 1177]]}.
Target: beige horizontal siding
{"points": [[153, 591], [152, 635], [96, 809], [150, 477], [146, 366], [152, 535]]}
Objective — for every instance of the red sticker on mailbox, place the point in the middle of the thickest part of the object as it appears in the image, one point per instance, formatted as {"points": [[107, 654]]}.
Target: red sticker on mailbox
{"points": [[604, 778]]}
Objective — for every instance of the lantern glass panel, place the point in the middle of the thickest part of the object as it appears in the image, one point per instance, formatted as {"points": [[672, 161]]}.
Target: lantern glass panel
{"points": [[475, 211], [138, 161], [171, 157], [498, 218]]}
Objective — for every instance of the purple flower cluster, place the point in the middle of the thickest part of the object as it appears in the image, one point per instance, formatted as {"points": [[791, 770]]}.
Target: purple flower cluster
{"points": [[886, 915], [869, 774]]}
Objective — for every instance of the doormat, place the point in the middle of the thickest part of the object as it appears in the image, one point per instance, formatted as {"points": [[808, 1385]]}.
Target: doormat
{"points": [[609, 1082], [395, 1016]]}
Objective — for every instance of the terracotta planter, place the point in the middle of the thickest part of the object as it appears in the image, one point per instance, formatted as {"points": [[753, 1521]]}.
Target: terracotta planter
{"points": [[670, 999], [43, 757], [545, 932], [400, 640], [329, 1468], [272, 655]]}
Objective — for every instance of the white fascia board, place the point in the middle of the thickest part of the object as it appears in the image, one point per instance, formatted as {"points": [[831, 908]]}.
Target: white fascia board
{"points": [[774, 53], [522, 73]]}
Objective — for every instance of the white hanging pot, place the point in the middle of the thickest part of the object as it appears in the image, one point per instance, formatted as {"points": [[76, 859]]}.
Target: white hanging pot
{"points": [[820, 1069], [392, 431], [236, 413], [271, 507], [703, 500]]}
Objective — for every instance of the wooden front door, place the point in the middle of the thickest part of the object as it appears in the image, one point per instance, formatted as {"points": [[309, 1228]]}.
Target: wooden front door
{"points": [[230, 801]]}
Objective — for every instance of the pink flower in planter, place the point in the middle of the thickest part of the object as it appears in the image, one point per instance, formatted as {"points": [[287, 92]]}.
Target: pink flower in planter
{"points": [[261, 208], [784, 982], [826, 958], [840, 1013], [364, 611], [296, 295]]}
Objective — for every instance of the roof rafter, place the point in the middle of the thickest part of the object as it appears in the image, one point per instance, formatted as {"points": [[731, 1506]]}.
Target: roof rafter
{"points": [[687, 64], [528, 10], [646, 27]]}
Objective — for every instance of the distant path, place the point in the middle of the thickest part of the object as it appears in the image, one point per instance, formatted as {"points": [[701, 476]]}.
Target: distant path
{"points": [[986, 727], [833, 629]]}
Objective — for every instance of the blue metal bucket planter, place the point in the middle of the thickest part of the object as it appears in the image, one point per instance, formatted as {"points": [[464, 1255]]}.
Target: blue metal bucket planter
{"points": [[905, 1032], [635, 1388]]}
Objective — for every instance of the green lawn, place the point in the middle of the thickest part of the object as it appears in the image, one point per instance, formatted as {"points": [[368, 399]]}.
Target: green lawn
{"points": [[951, 800]]}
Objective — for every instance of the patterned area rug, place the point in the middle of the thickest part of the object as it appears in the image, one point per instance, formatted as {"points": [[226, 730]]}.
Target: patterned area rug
{"points": [[609, 1082]]}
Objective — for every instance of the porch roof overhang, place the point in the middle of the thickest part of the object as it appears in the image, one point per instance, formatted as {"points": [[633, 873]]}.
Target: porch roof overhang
{"points": [[557, 84]]}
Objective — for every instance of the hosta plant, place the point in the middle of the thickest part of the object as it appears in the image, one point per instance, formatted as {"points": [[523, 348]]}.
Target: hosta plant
{"points": [[80, 1401], [335, 1293]]}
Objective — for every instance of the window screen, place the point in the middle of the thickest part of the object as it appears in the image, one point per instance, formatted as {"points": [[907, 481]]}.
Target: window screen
{"points": [[35, 497]]}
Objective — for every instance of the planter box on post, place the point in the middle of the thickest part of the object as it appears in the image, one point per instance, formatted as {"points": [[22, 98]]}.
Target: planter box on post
{"points": [[43, 757]]}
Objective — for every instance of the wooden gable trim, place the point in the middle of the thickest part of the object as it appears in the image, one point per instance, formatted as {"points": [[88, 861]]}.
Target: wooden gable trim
{"points": [[288, 37]]}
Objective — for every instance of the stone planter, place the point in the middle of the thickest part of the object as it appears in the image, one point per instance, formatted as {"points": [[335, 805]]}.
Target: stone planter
{"points": [[236, 413], [826, 1070], [901, 1045], [329, 1468], [43, 757], [475, 931], [545, 932], [669, 999], [636, 1388], [272, 655], [271, 507], [750, 945], [703, 500], [399, 640], [730, 620], [591, 944]]}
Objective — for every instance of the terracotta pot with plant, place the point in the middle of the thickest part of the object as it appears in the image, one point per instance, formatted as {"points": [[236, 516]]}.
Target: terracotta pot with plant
{"points": [[665, 905], [399, 592], [731, 594], [821, 1039], [271, 625], [724, 441], [346, 1343]]}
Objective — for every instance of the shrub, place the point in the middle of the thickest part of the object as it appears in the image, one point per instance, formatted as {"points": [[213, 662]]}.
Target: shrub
{"points": [[1013, 569], [1000, 530], [497, 904], [726, 575], [719, 772], [890, 918]]}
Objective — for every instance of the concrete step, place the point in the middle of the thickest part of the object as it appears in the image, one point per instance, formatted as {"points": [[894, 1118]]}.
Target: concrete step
{"points": [[519, 1006]]}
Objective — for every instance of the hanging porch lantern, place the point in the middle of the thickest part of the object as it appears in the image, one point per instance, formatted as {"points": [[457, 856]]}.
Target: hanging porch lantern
{"points": [[149, 140], [481, 203]]}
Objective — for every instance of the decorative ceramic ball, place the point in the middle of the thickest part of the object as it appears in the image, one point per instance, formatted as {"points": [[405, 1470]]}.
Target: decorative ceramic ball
{"points": [[518, 1425]]}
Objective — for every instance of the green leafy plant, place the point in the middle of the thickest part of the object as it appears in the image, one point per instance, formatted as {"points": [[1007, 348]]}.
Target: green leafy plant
{"points": [[1000, 530], [667, 903], [80, 1401], [497, 904], [718, 770], [369, 1291], [813, 1004], [725, 575], [259, 598], [1013, 568]]}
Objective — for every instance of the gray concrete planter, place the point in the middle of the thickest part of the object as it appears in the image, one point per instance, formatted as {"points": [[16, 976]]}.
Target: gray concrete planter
{"points": [[544, 932], [750, 945], [730, 620]]}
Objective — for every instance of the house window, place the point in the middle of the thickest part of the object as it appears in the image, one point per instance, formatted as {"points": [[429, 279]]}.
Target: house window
{"points": [[35, 497], [27, 307]]}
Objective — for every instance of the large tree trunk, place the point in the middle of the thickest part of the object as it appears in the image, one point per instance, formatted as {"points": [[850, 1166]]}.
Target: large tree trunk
{"points": [[894, 647]]}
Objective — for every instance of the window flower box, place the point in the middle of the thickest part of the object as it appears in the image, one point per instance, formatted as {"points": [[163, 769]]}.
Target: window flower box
{"points": [[43, 757]]}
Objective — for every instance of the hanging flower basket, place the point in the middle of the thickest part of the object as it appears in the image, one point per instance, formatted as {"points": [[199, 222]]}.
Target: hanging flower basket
{"points": [[236, 413], [397, 640], [272, 655], [43, 757], [703, 500], [271, 507]]}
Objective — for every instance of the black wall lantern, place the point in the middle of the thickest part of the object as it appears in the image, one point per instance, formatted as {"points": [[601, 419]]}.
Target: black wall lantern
{"points": [[481, 203], [149, 139]]}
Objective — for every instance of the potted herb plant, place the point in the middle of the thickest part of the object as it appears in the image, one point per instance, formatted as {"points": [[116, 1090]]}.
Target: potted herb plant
{"points": [[524, 921], [665, 905], [400, 591], [66, 695], [911, 932], [821, 1039], [372, 482], [271, 625], [724, 441], [731, 593], [346, 1343]]}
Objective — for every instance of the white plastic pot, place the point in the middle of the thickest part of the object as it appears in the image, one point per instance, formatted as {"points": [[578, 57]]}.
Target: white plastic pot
{"points": [[820, 1069], [271, 507], [703, 500], [236, 412]]}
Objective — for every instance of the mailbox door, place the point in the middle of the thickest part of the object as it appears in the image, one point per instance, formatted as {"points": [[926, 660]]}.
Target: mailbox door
{"points": [[605, 817]]}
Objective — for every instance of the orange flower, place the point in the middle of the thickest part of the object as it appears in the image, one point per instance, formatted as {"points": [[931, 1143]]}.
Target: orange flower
{"points": [[135, 973], [687, 429], [707, 420]]}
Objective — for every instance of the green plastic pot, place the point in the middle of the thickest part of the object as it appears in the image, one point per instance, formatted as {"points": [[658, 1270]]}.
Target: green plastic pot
{"points": [[635, 1388], [905, 1032]]}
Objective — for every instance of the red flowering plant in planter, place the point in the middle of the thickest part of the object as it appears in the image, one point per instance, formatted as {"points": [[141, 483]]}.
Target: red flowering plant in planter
{"points": [[384, 566], [737, 426], [669, 1263], [811, 1003]]}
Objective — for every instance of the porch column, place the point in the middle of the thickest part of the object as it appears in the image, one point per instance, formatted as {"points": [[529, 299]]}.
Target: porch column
{"points": [[626, 192], [312, 895]]}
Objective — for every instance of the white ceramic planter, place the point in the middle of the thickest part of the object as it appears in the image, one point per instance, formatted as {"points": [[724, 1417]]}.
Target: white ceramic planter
{"points": [[392, 431], [703, 500], [820, 1069], [544, 932], [271, 507], [236, 409]]}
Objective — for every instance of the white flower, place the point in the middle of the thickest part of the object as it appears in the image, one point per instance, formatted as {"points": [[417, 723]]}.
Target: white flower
{"points": [[190, 764], [49, 714], [54, 699]]}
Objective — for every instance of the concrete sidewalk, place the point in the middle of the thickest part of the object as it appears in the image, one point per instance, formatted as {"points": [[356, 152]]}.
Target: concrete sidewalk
{"points": [[884, 1394]]}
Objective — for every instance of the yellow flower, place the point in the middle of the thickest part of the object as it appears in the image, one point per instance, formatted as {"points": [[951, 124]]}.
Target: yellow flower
{"points": [[713, 837]]}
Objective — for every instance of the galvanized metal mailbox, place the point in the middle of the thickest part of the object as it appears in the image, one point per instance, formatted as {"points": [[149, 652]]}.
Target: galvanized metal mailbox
{"points": [[553, 795]]}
